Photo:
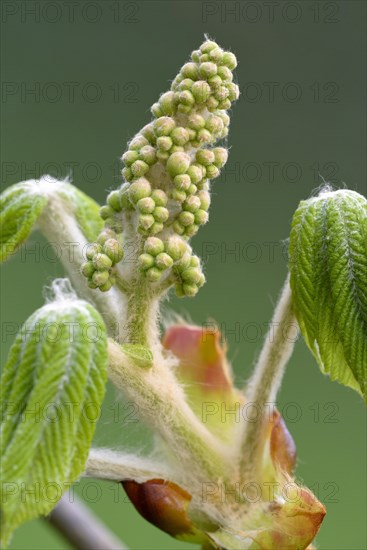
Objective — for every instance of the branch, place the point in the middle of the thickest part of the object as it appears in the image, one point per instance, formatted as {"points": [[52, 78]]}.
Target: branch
{"points": [[81, 528], [107, 464], [267, 378], [163, 406]]}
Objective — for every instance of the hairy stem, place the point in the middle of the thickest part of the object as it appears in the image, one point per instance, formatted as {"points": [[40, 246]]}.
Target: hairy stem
{"points": [[142, 314], [115, 466], [266, 380], [61, 230], [162, 404], [82, 529]]}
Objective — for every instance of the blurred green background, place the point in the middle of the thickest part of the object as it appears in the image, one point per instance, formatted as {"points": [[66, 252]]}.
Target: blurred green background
{"points": [[78, 81]]}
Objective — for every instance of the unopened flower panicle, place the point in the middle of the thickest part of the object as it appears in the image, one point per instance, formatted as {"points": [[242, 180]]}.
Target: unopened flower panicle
{"points": [[168, 168]]}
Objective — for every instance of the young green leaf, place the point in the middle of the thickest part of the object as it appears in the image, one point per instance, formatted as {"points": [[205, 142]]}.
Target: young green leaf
{"points": [[85, 210], [22, 204], [328, 265], [51, 392], [20, 207]]}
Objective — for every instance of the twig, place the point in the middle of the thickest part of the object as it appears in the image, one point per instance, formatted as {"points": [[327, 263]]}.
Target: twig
{"points": [[267, 377], [81, 528]]}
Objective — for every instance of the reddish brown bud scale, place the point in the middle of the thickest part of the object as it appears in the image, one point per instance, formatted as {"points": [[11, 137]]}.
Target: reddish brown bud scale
{"points": [[282, 447], [164, 504]]}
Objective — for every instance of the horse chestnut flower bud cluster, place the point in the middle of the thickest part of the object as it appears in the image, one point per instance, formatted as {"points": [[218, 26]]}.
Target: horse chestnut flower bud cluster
{"points": [[102, 256], [168, 167]]}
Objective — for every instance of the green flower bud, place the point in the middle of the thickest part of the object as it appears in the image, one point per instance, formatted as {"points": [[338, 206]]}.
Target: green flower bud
{"points": [[163, 156], [167, 103], [156, 228], [221, 93], [147, 154], [220, 156], [187, 98], [163, 261], [139, 168], [145, 261], [202, 280], [216, 54], [153, 246], [113, 200], [182, 182], [186, 218], [105, 235], [212, 171], [156, 110], [201, 217], [106, 287], [184, 109], [102, 262], [178, 228], [195, 261], [161, 214], [204, 58], [215, 82], [191, 204], [195, 56], [196, 172], [164, 125], [140, 189], [191, 231], [204, 136], [129, 157], [127, 174], [233, 91], [186, 84], [192, 189], [92, 285], [212, 104], [88, 269], [190, 290], [124, 196], [176, 81], [225, 74], [191, 275], [113, 250], [192, 134], [201, 91], [92, 250], [208, 46], [153, 274], [138, 142], [224, 117], [225, 105], [180, 136], [106, 212], [214, 124], [204, 197], [184, 262], [190, 70], [178, 163], [146, 221], [178, 195], [148, 133], [176, 248], [196, 122], [99, 278], [159, 197], [205, 157], [229, 60], [207, 70], [177, 149], [164, 143]]}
